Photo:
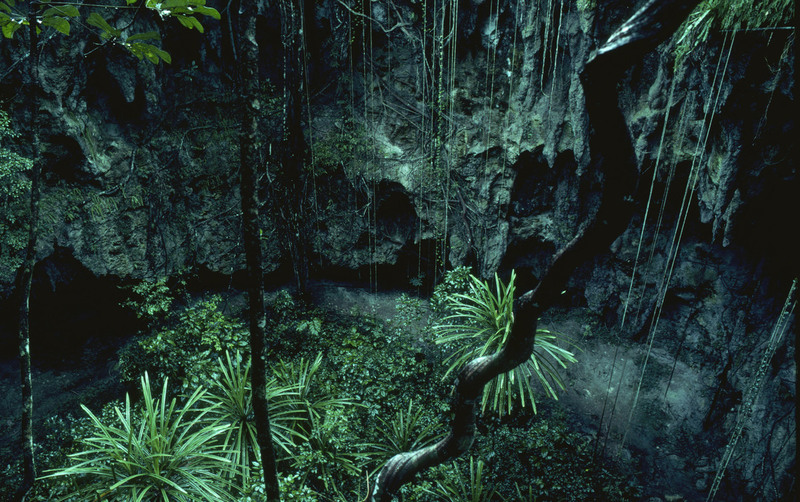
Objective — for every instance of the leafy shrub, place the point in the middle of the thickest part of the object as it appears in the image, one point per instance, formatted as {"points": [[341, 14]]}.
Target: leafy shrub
{"points": [[361, 371], [150, 300], [328, 450], [230, 404], [556, 463], [188, 350], [14, 187], [454, 282], [291, 485], [410, 313]]}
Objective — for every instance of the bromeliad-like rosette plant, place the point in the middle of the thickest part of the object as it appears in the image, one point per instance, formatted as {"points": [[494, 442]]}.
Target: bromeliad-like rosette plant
{"points": [[479, 325], [230, 403], [160, 451]]}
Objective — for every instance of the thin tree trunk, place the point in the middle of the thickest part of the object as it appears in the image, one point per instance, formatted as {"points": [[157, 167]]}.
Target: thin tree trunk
{"points": [[250, 147], [613, 155], [26, 276]]}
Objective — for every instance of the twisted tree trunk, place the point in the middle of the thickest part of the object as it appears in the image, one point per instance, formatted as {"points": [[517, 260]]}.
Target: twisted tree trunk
{"points": [[613, 155]]}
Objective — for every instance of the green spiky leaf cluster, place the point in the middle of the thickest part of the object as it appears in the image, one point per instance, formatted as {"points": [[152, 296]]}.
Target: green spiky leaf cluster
{"points": [[457, 488], [318, 451], [408, 430], [159, 452], [731, 15], [230, 402], [480, 325]]}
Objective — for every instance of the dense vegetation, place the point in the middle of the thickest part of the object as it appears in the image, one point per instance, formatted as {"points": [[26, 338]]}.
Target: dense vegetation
{"points": [[347, 391]]}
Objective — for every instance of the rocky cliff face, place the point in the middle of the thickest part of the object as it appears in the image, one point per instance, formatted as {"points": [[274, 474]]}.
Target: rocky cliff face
{"points": [[140, 167]]}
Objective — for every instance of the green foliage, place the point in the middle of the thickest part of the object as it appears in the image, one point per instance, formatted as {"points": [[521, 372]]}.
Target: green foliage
{"points": [[331, 455], [456, 487], [454, 282], [480, 325], [365, 362], [723, 15], [409, 317], [345, 148], [230, 403], [188, 350], [409, 430], [327, 450], [150, 300], [160, 452], [14, 188], [292, 487], [377, 369], [183, 10], [13, 16], [327, 444], [284, 306], [556, 463]]}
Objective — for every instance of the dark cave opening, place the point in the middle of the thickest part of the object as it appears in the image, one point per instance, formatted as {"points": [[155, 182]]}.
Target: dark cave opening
{"points": [[72, 310]]}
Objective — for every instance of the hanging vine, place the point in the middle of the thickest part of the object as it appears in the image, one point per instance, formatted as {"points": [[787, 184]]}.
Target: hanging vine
{"points": [[610, 146]]}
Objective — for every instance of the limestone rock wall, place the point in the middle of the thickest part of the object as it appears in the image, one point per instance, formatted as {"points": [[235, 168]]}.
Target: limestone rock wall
{"points": [[140, 165]]}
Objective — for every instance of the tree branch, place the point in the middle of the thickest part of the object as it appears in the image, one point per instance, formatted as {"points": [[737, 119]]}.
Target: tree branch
{"points": [[612, 155]]}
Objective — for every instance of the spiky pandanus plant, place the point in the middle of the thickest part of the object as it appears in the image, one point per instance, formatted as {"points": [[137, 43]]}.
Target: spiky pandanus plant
{"points": [[230, 404], [480, 325], [160, 451]]}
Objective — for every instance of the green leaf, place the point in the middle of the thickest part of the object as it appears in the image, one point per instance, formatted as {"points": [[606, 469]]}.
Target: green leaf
{"points": [[63, 11], [173, 4], [150, 35], [151, 52], [59, 23], [191, 22], [96, 20], [10, 27], [208, 11], [5, 7]]}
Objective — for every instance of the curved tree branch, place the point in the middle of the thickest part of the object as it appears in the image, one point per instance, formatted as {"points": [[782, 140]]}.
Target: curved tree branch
{"points": [[612, 155]]}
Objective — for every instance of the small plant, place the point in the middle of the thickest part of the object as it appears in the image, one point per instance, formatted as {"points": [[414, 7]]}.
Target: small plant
{"points": [[455, 487], [187, 351], [406, 431], [150, 300], [480, 325], [158, 452], [456, 281], [409, 315], [328, 448], [230, 404]]}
